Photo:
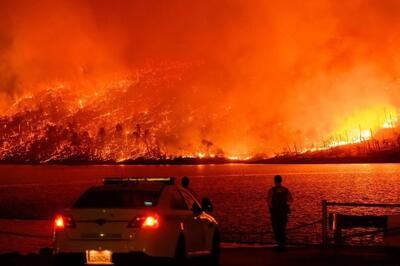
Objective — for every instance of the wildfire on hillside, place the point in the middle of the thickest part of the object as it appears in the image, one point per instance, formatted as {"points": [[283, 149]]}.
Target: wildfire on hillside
{"points": [[99, 81], [114, 122], [364, 126], [117, 122]]}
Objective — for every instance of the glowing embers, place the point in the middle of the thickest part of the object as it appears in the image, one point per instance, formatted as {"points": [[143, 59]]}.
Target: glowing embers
{"points": [[391, 122], [104, 118], [364, 125], [357, 137], [116, 121], [377, 125]]}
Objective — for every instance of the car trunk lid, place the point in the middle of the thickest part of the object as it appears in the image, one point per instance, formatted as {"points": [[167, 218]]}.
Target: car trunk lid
{"points": [[103, 224]]}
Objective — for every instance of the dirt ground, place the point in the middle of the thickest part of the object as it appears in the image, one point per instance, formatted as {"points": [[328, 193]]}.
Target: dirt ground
{"points": [[260, 256]]}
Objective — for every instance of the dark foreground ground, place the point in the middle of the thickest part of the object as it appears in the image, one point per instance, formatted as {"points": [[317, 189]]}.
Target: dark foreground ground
{"points": [[311, 256], [263, 256]]}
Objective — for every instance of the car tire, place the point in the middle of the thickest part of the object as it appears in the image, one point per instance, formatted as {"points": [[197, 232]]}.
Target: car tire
{"points": [[60, 260], [214, 257], [64, 260], [180, 258]]}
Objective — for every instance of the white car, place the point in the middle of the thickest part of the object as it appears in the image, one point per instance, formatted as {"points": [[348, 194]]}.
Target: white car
{"points": [[133, 220]]}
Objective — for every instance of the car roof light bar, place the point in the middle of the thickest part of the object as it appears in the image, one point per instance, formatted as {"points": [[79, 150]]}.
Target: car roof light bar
{"points": [[123, 180]]}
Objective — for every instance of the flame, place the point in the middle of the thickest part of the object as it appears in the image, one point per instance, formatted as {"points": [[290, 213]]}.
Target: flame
{"points": [[80, 103], [50, 126], [360, 126], [143, 80], [58, 124], [391, 122]]}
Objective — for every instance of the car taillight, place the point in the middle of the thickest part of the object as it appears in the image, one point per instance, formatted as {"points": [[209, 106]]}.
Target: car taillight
{"points": [[145, 221], [62, 222]]}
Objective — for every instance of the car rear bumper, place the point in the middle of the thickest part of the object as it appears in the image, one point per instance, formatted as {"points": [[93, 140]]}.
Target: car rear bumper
{"points": [[152, 243], [148, 248], [80, 246], [117, 258]]}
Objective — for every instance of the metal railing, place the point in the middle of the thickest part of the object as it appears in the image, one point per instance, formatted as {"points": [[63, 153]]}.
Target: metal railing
{"points": [[261, 237], [325, 218], [266, 237], [256, 237]]}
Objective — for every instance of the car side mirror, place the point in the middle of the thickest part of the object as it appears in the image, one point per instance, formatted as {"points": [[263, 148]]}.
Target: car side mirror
{"points": [[206, 205], [196, 208]]}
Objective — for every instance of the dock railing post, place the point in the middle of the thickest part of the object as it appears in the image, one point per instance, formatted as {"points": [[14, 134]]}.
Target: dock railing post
{"points": [[324, 223]]}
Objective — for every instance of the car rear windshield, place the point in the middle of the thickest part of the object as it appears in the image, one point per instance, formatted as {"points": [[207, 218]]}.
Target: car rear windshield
{"points": [[118, 199]]}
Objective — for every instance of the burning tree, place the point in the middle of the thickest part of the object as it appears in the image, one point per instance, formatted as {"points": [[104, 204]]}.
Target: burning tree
{"points": [[118, 122]]}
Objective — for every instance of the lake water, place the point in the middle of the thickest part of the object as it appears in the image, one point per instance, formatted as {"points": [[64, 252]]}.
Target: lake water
{"points": [[238, 192]]}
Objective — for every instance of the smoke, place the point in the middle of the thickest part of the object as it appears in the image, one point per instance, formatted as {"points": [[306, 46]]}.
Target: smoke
{"points": [[261, 75]]}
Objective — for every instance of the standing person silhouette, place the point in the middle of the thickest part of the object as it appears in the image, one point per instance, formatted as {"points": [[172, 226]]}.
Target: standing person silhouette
{"points": [[185, 184], [279, 199]]}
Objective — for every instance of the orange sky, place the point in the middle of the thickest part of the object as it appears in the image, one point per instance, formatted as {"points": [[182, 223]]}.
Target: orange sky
{"points": [[266, 73]]}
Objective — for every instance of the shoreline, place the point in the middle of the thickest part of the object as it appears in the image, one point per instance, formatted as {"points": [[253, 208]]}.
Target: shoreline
{"points": [[219, 161]]}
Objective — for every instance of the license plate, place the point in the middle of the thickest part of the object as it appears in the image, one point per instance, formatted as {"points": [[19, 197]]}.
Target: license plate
{"points": [[99, 257]]}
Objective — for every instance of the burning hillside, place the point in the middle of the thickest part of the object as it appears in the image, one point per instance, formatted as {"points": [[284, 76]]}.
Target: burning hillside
{"points": [[115, 122], [118, 120], [381, 143], [98, 81]]}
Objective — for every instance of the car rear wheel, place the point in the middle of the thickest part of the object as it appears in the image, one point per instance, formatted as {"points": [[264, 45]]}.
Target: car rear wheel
{"points": [[68, 259], [215, 250], [180, 252]]}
